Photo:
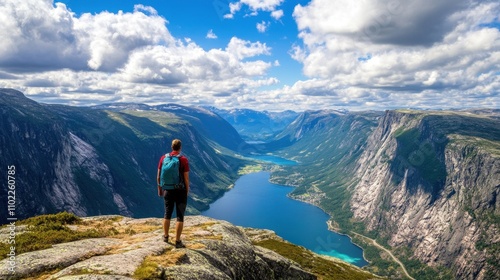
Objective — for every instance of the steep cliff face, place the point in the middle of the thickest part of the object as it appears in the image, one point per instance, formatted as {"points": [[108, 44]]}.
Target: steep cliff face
{"points": [[429, 181], [32, 140]]}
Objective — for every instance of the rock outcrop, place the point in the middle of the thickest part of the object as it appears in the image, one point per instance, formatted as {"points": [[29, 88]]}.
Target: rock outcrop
{"points": [[134, 249]]}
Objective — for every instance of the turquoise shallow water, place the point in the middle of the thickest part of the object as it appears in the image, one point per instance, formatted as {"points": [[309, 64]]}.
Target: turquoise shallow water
{"points": [[255, 202]]}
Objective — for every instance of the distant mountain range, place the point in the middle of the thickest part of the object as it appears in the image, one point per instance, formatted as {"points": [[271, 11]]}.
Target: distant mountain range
{"points": [[254, 125], [423, 183]]}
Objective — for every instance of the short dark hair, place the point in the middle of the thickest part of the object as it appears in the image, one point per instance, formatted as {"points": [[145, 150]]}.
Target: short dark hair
{"points": [[176, 144]]}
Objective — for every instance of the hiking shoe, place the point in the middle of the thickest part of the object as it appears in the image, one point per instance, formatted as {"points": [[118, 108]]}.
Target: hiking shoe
{"points": [[179, 244], [165, 239]]}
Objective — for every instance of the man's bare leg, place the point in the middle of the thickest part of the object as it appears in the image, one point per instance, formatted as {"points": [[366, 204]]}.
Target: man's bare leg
{"points": [[178, 230], [166, 227]]}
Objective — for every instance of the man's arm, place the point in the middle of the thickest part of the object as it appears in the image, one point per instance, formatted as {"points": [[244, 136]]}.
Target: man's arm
{"points": [[160, 191], [186, 181], [158, 177]]}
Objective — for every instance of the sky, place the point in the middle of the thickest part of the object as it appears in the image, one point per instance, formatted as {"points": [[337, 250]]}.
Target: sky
{"points": [[260, 54]]}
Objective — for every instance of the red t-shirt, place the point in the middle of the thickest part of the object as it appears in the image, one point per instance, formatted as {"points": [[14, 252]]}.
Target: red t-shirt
{"points": [[183, 160]]}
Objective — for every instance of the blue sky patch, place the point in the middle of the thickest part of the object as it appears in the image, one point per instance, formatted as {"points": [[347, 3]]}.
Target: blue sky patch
{"points": [[493, 24], [365, 58]]}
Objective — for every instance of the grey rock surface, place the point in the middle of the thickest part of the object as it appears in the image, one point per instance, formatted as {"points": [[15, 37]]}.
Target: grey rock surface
{"points": [[214, 250], [60, 255], [95, 277], [123, 263], [281, 267], [393, 196]]}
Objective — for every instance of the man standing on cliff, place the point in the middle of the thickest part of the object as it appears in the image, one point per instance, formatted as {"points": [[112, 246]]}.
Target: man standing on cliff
{"points": [[174, 194]]}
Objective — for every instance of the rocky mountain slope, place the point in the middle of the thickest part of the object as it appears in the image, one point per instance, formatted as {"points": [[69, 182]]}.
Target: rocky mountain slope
{"points": [[434, 188], [425, 184], [125, 248], [93, 161]]}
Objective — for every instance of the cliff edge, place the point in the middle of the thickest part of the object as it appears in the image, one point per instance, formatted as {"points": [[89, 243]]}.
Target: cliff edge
{"points": [[117, 247]]}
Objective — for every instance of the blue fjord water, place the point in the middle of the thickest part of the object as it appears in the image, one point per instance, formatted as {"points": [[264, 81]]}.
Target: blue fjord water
{"points": [[257, 203]]}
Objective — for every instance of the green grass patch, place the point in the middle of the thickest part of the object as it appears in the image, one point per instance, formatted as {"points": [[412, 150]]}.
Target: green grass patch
{"points": [[487, 244], [490, 146], [399, 132], [321, 267], [62, 218], [418, 269], [153, 266], [47, 230], [148, 270], [425, 272], [247, 169]]}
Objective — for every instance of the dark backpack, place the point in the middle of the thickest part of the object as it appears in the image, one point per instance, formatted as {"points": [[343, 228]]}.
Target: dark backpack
{"points": [[170, 178]]}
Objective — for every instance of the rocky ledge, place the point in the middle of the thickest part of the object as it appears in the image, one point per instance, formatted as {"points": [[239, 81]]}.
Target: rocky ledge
{"points": [[134, 249]]}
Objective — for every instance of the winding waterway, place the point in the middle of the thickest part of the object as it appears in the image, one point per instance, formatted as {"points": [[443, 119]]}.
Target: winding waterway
{"points": [[255, 202]]}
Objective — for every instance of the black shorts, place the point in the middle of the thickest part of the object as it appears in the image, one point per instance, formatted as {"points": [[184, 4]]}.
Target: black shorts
{"points": [[179, 198]]}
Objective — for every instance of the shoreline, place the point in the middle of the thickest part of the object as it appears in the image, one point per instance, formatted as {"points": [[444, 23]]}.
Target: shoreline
{"points": [[329, 225], [334, 229], [268, 168]]}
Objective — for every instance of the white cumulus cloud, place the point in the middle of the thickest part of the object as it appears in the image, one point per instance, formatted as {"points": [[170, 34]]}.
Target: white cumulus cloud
{"points": [[263, 26], [211, 34], [255, 6], [277, 14], [41, 35], [264, 5], [370, 54], [400, 50], [190, 63], [54, 55], [242, 49]]}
